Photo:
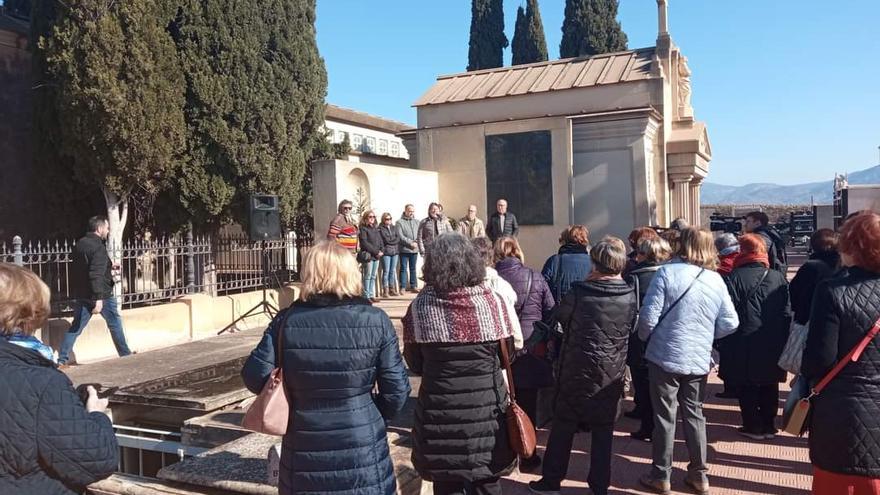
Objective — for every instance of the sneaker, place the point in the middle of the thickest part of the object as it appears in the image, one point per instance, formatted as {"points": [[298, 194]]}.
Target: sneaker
{"points": [[750, 434], [642, 435], [658, 486], [543, 486], [530, 465], [699, 487]]}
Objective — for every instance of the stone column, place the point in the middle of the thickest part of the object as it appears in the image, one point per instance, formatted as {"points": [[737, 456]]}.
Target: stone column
{"points": [[696, 185], [681, 201]]}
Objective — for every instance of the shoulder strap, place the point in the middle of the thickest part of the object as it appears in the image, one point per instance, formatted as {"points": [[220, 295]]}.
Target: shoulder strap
{"points": [[280, 337], [852, 356], [505, 362], [674, 304], [753, 290], [528, 293]]}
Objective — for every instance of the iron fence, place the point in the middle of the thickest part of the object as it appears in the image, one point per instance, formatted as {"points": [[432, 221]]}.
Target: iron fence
{"points": [[155, 271]]}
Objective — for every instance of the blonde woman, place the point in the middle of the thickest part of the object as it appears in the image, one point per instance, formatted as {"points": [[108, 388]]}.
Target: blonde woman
{"points": [[51, 441], [686, 309], [336, 348]]}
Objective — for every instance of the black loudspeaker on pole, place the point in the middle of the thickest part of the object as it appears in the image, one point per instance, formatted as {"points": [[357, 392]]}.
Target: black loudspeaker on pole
{"points": [[265, 225]]}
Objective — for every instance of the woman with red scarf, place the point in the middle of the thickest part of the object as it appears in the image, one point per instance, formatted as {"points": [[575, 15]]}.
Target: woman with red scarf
{"points": [[760, 296]]}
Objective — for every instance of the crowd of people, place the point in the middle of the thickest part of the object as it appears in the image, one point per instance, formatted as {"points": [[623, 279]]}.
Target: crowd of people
{"points": [[662, 310]]}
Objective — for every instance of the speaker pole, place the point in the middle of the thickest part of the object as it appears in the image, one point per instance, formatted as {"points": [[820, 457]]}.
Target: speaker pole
{"points": [[264, 306]]}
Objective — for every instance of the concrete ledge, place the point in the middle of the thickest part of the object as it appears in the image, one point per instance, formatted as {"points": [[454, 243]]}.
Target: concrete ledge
{"points": [[188, 318]]}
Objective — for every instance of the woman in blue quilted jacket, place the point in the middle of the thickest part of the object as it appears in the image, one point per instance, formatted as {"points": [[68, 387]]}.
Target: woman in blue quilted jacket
{"points": [[336, 348], [686, 309], [50, 442]]}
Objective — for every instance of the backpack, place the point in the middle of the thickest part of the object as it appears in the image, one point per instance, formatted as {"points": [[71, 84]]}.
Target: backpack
{"points": [[776, 251]]}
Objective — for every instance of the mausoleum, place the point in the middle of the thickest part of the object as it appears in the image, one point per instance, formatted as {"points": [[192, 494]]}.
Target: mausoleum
{"points": [[608, 141]]}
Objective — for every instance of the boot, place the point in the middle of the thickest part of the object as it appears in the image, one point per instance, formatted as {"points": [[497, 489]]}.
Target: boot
{"points": [[384, 293], [395, 292]]}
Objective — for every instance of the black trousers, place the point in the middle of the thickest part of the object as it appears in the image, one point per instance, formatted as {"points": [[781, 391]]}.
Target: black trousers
{"points": [[642, 398], [488, 486], [527, 398], [758, 405], [558, 454]]}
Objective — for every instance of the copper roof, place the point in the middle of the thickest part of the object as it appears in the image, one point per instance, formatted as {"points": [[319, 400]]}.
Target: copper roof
{"points": [[333, 112], [555, 75]]}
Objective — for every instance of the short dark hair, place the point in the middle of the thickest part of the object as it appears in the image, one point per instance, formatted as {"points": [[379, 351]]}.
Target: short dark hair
{"points": [[759, 216], [96, 221], [824, 240], [485, 249], [452, 262]]}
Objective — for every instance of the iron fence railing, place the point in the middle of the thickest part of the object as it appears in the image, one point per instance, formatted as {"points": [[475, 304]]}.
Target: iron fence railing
{"points": [[156, 271]]}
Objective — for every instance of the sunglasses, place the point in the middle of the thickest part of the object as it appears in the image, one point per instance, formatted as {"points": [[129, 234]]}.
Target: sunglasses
{"points": [[371, 216], [346, 208]]}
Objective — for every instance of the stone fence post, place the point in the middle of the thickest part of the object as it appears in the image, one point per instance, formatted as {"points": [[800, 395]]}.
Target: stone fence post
{"points": [[17, 255]]}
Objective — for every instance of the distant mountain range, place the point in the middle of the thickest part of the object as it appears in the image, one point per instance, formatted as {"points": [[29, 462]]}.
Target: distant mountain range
{"points": [[775, 194]]}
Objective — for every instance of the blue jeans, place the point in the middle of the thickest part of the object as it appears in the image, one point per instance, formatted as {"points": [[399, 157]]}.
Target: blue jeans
{"points": [[82, 313], [389, 269], [368, 270], [408, 259]]}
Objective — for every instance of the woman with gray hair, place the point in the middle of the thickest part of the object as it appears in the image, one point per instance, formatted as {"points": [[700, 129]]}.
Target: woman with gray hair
{"points": [[452, 334], [651, 253], [597, 317], [728, 249]]}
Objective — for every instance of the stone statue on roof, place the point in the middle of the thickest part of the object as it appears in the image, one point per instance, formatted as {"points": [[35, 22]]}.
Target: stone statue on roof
{"points": [[685, 109]]}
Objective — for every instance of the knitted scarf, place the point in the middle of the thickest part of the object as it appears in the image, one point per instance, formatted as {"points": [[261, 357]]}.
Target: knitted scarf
{"points": [[466, 315], [746, 258]]}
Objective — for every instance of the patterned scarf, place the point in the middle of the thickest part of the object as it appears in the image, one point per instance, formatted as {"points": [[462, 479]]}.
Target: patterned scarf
{"points": [[467, 315], [32, 343]]}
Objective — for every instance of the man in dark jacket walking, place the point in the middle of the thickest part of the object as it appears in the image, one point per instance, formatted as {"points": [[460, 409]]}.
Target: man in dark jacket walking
{"points": [[597, 317], [92, 285], [502, 222], [757, 222]]}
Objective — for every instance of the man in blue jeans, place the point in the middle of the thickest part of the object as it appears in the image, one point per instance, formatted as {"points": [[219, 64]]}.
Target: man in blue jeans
{"points": [[408, 228], [92, 286]]}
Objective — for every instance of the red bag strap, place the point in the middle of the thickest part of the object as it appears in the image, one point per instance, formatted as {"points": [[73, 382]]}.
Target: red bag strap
{"points": [[852, 356], [505, 361]]}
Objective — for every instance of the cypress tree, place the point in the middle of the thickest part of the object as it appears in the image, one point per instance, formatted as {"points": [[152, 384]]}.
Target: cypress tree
{"points": [[590, 28], [114, 100], [487, 41], [255, 108], [529, 44]]}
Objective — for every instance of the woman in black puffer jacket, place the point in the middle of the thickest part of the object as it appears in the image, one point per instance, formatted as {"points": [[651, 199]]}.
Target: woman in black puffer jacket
{"points": [[845, 419], [651, 252], [50, 442], [597, 317], [452, 334]]}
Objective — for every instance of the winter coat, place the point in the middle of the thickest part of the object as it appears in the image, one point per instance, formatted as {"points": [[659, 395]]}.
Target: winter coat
{"points": [[408, 229], [465, 228], [370, 240], [91, 267], [682, 343], [845, 417], [49, 444], [334, 352], [452, 342], [390, 240], [597, 320], [430, 228], [571, 264], [495, 230], [752, 352], [639, 277], [819, 267], [533, 303]]}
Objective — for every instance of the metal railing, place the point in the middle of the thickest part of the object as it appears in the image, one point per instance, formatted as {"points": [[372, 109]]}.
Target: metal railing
{"points": [[157, 271]]}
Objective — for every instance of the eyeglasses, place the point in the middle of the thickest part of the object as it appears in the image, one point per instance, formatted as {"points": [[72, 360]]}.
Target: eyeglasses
{"points": [[346, 208]]}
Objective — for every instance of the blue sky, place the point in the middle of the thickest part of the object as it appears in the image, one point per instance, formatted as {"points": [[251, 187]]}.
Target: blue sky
{"points": [[790, 89]]}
